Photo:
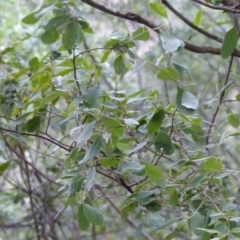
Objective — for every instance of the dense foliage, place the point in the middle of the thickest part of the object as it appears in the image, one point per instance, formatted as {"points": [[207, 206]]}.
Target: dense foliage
{"points": [[121, 123]]}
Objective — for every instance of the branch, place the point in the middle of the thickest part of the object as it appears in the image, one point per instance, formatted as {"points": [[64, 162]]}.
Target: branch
{"points": [[190, 24], [220, 101], [39, 136], [223, 8], [138, 18]]}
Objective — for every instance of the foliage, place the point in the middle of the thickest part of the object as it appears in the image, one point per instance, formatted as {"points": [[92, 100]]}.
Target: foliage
{"points": [[84, 137]]}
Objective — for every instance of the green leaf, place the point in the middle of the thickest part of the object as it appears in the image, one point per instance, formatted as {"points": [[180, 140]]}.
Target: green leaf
{"points": [[189, 101], [71, 35], [82, 133], [109, 162], [155, 174], [92, 215], [197, 18], [196, 222], [229, 43], [55, 55], [93, 150], [141, 33], [75, 187], [181, 69], [57, 22], [67, 162], [234, 120], [49, 37], [170, 43], [168, 74], [212, 165], [82, 220], [4, 166], [90, 178], [162, 140], [119, 65], [238, 97], [51, 97], [31, 18], [156, 122], [159, 9], [155, 220], [179, 103], [168, 223], [33, 124], [139, 230], [92, 95]]}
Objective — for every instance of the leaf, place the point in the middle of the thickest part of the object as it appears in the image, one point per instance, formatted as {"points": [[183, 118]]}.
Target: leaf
{"points": [[155, 220], [51, 97], [166, 224], [181, 69], [159, 9], [229, 43], [141, 33], [130, 121], [197, 221], [139, 230], [109, 162], [71, 35], [170, 43], [179, 103], [82, 220], [212, 165], [197, 18], [92, 215], [31, 18], [75, 187], [162, 140], [168, 74], [4, 166], [67, 162], [189, 101], [90, 178], [57, 22], [49, 37], [119, 65], [82, 133], [156, 121], [93, 150], [234, 120], [139, 146], [33, 124], [92, 95], [155, 174]]}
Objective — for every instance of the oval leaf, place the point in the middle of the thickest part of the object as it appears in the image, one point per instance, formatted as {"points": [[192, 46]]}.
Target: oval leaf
{"points": [[92, 215], [119, 65], [155, 174], [168, 74], [162, 140], [229, 43], [156, 122]]}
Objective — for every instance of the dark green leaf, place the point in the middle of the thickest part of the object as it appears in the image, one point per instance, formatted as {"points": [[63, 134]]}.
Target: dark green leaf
{"points": [[156, 122], [82, 220], [93, 150], [57, 22], [229, 43], [162, 140], [4, 166], [92, 215], [92, 95], [155, 174], [49, 37], [71, 35], [33, 124], [119, 65], [75, 187], [234, 120]]}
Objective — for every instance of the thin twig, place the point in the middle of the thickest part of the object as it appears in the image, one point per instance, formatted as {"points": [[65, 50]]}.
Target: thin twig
{"points": [[220, 101], [75, 71]]}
